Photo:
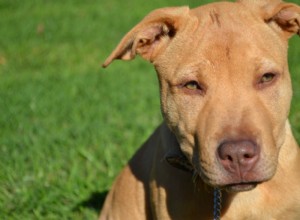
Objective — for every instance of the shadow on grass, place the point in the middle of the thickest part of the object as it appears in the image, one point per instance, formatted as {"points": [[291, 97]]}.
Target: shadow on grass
{"points": [[94, 202]]}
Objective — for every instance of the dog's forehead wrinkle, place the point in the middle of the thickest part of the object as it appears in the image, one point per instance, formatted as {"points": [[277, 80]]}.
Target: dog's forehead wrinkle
{"points": [[215, 17], [228, 52]]}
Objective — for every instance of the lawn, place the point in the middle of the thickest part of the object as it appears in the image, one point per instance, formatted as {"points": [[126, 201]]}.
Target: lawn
{"points": [[67, 126]]}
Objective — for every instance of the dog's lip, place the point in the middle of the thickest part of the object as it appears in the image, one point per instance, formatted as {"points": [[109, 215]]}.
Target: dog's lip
{"points": [[240, 187]]}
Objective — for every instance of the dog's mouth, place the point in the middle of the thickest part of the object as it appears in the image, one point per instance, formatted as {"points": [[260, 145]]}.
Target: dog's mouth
{"points": [[240, 187]]}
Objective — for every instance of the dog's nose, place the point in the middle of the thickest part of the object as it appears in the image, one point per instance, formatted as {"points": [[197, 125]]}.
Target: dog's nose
{"points": [[238, 157]]}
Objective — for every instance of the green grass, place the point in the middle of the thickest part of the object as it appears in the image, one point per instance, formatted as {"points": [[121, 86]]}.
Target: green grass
{"points": [[67, 126]]}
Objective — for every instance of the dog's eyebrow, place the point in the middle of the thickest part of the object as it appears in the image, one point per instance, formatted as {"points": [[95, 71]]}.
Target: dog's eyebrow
{"points": [[198, 69], [202, 64], [265, 65]]}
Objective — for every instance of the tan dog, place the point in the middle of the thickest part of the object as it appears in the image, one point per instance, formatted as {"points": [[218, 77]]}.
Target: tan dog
{"points": [[225, 96]]}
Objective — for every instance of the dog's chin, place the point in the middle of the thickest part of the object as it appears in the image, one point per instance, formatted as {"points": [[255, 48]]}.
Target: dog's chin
{"points": [[233, 187], [240, 187]]}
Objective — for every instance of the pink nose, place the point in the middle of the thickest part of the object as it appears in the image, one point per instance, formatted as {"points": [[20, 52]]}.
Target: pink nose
{"points": [[238, 157]]}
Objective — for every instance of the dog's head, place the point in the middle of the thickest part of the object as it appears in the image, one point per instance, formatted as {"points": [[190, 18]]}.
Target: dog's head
{"points": [[224, 82]]}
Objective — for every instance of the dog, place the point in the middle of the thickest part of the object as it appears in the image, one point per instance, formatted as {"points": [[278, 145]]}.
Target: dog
{"points": [[225, 94]]}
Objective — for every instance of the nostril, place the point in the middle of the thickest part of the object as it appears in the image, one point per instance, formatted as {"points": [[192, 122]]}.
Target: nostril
{"points": [[247, 156], [229, 158]]}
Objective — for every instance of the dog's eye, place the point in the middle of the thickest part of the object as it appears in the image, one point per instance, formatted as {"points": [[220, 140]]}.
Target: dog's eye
{"points": [[267, 77], [192, 85]]}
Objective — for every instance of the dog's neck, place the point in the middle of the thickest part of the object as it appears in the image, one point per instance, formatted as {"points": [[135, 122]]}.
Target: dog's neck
{"points": [[177, 159]]}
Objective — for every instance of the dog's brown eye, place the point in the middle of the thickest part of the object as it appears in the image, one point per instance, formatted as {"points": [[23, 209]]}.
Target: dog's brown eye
{"points": [[192, 85], [267, 77]]}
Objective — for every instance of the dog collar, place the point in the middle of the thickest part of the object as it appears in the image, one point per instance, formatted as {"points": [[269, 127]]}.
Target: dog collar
{"points": [[179, 161]]}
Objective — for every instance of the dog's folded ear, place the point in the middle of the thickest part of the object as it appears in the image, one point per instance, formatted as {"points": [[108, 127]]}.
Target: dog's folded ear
{"points": [[151, 35], [281, 16], [287, 17]]}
